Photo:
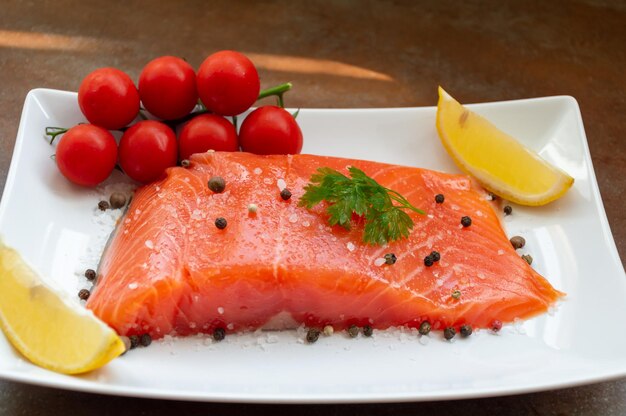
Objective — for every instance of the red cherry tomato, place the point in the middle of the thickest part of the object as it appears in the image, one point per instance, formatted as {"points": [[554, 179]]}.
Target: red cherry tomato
{"points": [[108, 98], [86, 154], [270, 130], [207, 132], [167, 87], [228, 83], [147, 148]]}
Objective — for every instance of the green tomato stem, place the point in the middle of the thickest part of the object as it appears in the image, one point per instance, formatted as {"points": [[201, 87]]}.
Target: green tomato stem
{"points": [[53, 132], [277, 90]]}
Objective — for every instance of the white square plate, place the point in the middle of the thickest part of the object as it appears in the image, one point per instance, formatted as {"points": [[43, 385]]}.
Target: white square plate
{"points": [[51, 223]]}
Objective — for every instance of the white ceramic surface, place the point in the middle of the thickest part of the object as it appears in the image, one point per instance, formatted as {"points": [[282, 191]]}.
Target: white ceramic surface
{"points": [[50, 222]]}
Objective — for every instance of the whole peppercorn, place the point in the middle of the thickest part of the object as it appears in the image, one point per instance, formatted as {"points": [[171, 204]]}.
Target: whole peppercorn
{"points": [[496, 325], [90, 274], [435, 255], [456, 294], [466, 330], [449, 333], [312, 335], [390, 258], [221, 223], [353, 331], [145, 340], [424, 328], [185, 163], [528, 258], [83, 294], [492, 196], [439, 198], [466, 221], [428, 261], [134, 341], [368, 331], [508, 210], [217, 184], [103, 205], [517, 242], [285, 194], [219, 334], [328, 330], [117, 200]]}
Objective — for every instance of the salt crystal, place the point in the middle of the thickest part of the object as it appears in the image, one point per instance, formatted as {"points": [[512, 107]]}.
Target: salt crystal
{"points": [[431, 216], [133, 285], [149, 244], [500, 252], [293, 218], [258, 171], [379, 261], [281, 184], [220, 310], [350, 246]]}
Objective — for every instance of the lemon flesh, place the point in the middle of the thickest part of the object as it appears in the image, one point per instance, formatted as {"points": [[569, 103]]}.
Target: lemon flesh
{"points": [[47, 330], [498, 161]]}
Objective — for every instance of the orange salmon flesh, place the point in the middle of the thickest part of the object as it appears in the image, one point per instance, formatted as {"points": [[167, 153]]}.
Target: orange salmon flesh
{"points": [[169, 270]]}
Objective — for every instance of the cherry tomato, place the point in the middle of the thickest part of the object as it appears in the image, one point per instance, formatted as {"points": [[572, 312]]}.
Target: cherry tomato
{"points": [[86, 154], [108, 98], [167, 87], [270, 130], [228, 83], [147, 148], [207, 132]]}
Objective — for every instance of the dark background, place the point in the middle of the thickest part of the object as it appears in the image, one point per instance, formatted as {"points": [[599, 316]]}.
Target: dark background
{"points": [[342, 54]]}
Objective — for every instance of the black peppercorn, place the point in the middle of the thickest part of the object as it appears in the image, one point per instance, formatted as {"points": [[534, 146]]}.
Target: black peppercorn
{"points": [[103, 205], [221, 223], [83, 294], [353, 331], [312, 335], [449, 333], [145, 340], [435, 255], [424, 328], [285, 194], [439, 198], [219, 334], [390, 258], [466, 330], [428, 261], [466, 221], [134, 341], [117, 200], [517, 242], [90, 274], [368, 331], [528, 258], [508, 210], [217, 184]]}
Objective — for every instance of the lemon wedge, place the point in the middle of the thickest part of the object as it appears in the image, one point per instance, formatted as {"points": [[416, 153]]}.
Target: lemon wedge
{"points": [[498, 161], [47, 330]]}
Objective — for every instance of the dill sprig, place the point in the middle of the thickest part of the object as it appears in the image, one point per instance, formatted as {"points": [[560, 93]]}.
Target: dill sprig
{"points": [[382, 208]]}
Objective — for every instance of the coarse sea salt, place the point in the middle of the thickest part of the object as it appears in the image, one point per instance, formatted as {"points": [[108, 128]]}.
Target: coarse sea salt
{"points": [[281, 184], [350, 245], [379, 261], [149, 244]]}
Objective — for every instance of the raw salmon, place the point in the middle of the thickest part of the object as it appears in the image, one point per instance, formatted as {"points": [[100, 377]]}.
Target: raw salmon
{"points": [[169, 270]]}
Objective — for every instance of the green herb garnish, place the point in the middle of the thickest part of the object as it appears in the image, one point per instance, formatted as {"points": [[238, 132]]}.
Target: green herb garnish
{"points": [[382, 208]]}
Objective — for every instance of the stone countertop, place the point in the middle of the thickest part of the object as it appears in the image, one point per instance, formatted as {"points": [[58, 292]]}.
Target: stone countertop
{"points": [[342, 54]]}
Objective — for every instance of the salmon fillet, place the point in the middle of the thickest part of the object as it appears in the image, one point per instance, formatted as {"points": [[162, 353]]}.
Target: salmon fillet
{"points": [[169, 270]]}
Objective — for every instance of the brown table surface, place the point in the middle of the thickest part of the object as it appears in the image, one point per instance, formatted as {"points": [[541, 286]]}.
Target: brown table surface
{"points": [[342, 54]]}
